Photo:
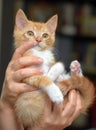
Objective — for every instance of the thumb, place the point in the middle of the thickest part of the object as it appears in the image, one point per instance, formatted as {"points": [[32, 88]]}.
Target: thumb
{"points": [[25, 88]]}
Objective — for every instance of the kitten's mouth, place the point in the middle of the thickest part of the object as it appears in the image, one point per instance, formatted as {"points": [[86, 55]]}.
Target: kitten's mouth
{"points": [[37, 46]]}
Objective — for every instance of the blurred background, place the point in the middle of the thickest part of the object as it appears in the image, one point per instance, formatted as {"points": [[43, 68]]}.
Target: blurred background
{"points": [[75, 37]]}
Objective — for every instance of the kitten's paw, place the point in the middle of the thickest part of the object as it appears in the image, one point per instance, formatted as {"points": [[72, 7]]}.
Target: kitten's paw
{"points": [[54, 93], [75, 68]]}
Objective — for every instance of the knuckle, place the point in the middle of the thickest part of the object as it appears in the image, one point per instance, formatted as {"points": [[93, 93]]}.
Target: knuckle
{"points": [[21, 73], [47, 122], [80, 108], [9, 68], [17, 50], [20, 62], [73, 105], [8, 76], [10, 88]]}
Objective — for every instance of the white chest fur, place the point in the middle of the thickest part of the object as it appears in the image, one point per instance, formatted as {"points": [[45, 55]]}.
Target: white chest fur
{"points": [[47, 57]]}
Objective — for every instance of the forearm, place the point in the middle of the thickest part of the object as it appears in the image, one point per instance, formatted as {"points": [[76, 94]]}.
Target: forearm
{"points": [[46, 126], [8, 119], [40, 128]]}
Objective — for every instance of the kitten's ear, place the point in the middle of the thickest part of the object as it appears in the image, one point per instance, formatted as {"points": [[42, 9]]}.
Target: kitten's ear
{"points": [[52, 23], [21, 19]]}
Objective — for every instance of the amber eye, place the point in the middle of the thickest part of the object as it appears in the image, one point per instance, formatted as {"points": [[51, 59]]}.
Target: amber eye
{"points": [[45, 35], [30, 33]]}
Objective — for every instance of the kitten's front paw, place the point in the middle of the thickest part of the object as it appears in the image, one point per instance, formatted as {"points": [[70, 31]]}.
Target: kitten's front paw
{"points": [[54, 93], [75, 68]]}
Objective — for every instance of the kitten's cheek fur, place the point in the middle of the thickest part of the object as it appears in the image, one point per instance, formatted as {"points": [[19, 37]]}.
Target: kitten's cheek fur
{"points": [[54, 93]]}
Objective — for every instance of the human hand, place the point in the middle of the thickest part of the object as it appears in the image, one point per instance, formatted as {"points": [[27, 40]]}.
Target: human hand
{"points": [[17, 70], [60, 116]]}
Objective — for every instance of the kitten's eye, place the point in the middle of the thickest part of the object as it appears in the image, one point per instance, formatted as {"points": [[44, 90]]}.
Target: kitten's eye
{"points": [[30, 33], [45, 35]]}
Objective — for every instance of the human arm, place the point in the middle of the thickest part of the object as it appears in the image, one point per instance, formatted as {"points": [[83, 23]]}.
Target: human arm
{"points": [[8, 119], [13, 86]]}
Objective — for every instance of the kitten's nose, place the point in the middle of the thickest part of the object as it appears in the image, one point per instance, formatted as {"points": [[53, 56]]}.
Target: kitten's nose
{"points": [[38, 39]]}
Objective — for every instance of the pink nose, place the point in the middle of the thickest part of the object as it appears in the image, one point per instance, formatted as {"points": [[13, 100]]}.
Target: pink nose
{"points": [[38, 39]]}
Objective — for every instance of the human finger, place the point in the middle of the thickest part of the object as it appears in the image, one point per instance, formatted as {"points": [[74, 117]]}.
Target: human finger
{"points": [[13, 92], [78, 107], [21, 74], [26, 61], [21, 50], [57, 108], [69, 108], [23, 87]]}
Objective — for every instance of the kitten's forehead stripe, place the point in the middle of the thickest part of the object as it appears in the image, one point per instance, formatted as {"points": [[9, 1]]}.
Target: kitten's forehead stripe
{"points": [[39, 29], [38, 25]]}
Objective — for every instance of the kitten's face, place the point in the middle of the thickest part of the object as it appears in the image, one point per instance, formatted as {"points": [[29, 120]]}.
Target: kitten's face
{"points": [[41, 34]]}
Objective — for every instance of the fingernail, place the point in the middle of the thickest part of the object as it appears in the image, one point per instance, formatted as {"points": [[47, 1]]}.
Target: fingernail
{"points": [[41, 71], [40, 60], [72, 92]]}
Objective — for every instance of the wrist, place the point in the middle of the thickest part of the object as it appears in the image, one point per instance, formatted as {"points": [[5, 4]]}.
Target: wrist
{"points": [[41, 128], [4, 106], [8, 117]]}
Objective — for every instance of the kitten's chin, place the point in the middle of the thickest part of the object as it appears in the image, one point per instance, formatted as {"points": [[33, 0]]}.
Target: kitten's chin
{"points": [[37, 48]]}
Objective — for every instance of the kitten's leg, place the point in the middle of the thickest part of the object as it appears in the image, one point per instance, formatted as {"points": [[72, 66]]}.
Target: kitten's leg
{"points": [[55, 71], [54, 93], [75, 68], [46, 84]]}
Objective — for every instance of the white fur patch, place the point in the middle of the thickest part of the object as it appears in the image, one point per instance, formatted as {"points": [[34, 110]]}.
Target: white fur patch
{"points": [[46, 55], [54, 93], [55, 71]]}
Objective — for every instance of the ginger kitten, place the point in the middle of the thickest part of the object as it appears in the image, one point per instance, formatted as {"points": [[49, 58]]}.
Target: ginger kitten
{"points": [[55, 83]]}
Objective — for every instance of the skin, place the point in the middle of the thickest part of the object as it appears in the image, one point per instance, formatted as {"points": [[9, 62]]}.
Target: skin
{"points": [[56, 117]]}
